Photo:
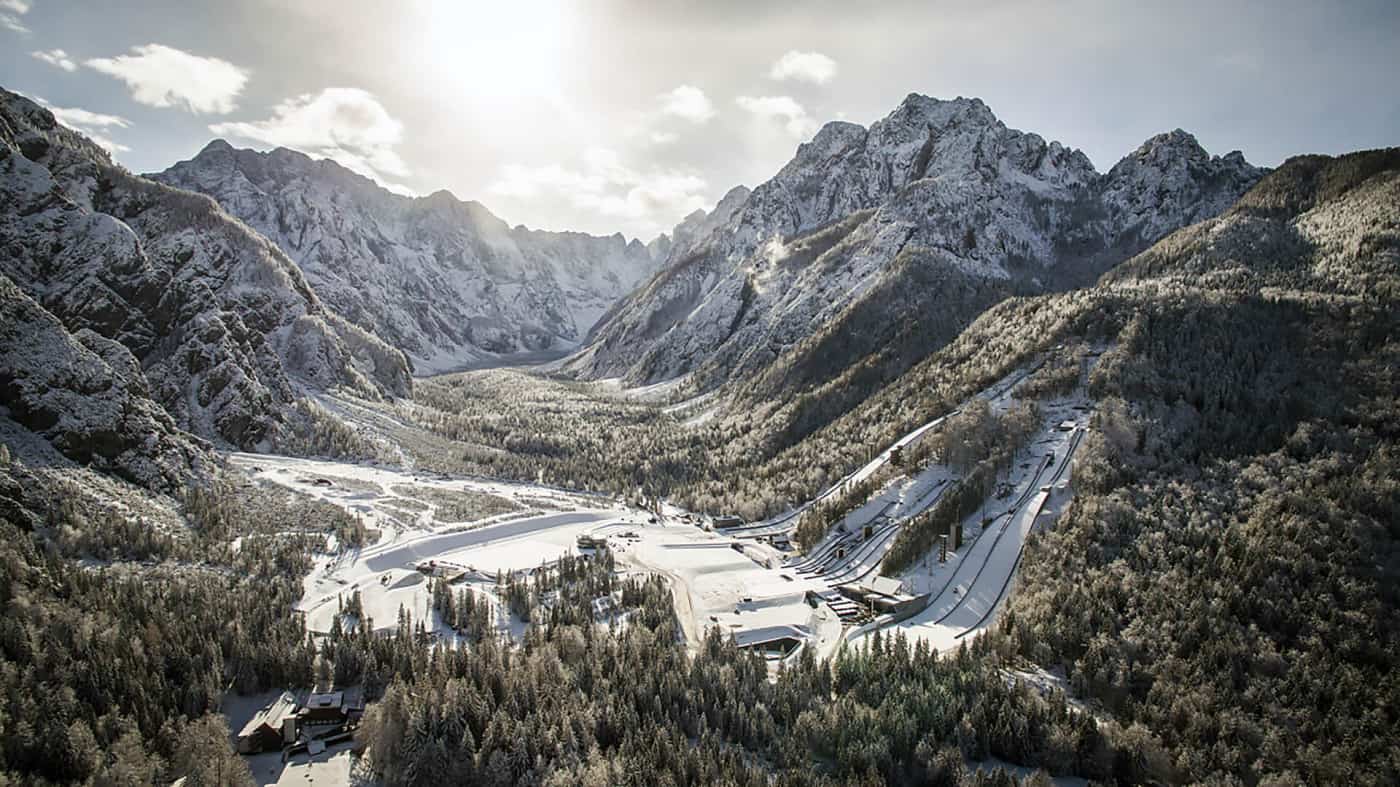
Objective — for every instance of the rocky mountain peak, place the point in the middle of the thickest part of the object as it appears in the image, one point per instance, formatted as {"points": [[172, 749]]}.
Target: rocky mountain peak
{"points": [[924, 111], [1170, 181], [931, 210], [444, 279], [1169, 147], [732, 200], [144, 277], [216, 147], [831, 140]]}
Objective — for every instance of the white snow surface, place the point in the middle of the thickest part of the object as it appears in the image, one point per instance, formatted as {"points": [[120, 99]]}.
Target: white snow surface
{"points": [[969, 589], [709, 577]]}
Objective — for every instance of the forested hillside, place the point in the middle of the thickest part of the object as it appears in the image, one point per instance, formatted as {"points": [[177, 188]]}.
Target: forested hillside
{"points": [[1221, 594], [575, 706], [191, 307], [126, 622], [1226, 576], [122, 636]]}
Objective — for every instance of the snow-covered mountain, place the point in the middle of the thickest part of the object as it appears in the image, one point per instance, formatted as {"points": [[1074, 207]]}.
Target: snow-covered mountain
{"points": [[887, 240], [162, 297], [700, 224], [443, 280], [88, 397], [1316, 224]]}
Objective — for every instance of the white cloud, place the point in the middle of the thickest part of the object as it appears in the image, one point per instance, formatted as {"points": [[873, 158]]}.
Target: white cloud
{"points": [[811, 67], [687, 102], [81, 118], [10, 13], [782, 108], [162, 76], [346, 124], [399, 189], [604, 185], [91, 124], [56, 58], [106, 143], [663, 137]]}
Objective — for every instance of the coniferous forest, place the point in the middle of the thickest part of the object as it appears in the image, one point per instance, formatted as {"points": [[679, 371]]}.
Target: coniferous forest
{"points": [[458, 501]]}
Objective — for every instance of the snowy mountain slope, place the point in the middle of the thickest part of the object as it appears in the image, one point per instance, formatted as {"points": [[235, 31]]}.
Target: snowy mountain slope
{"points": [[225, 328], [699, 225], [443, 280], [1316, 224], [867, 231], [87, 396]]}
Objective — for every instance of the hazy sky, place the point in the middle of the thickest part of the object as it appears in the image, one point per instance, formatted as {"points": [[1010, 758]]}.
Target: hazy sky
{"points": [[612, 115]]}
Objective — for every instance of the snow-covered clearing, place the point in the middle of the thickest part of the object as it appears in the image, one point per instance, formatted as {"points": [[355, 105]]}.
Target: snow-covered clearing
{"points": [[723, 586], [714, 583]]}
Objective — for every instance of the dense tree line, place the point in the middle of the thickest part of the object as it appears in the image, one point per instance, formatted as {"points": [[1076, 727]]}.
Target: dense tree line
{"points": [[112, 671], [817, 520], [1226, 576], [467, 612], [309, 430], [578, 704]]}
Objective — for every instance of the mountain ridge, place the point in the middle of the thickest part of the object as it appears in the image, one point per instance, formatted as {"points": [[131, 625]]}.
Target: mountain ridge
{"points": [[223, 329], [937, 195], [443, 279]]}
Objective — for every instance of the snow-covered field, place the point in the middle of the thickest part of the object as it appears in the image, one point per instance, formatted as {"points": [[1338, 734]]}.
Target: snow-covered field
{"points": [[723, 586], [715, 584]]}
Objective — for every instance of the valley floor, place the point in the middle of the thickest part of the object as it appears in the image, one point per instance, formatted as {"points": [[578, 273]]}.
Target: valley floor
{"points": [[714, 583], [744, 580]]}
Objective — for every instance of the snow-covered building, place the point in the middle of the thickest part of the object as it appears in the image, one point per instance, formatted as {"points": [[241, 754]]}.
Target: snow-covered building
{"points": [[271, 727]]}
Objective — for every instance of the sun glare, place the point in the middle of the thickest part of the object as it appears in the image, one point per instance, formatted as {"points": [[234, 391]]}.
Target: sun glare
{"points": [[495, 49]]}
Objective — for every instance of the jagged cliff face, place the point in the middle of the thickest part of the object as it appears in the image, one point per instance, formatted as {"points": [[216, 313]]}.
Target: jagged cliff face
{"points": [[443, 280], [926, 217], [1317, 224], [223, 329], [87, 395], [1171, 182]]}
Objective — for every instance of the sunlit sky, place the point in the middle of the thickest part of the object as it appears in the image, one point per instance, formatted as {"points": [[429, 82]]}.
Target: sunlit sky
{"points": [[613, 115]]}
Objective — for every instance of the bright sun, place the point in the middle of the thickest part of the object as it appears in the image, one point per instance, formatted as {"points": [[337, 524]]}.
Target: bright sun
{"points": [[495, 50]]}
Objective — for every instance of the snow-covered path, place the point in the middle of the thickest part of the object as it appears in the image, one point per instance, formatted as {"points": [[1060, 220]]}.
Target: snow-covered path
{"points": [[518, 533], [982, 576]]}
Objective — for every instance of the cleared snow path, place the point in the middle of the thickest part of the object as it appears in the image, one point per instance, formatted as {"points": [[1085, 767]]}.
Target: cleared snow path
{"points": [[968, 600], [409, 554]]}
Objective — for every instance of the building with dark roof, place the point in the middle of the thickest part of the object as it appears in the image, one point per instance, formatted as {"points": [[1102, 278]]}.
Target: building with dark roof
{"points": [[328, 708]]}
